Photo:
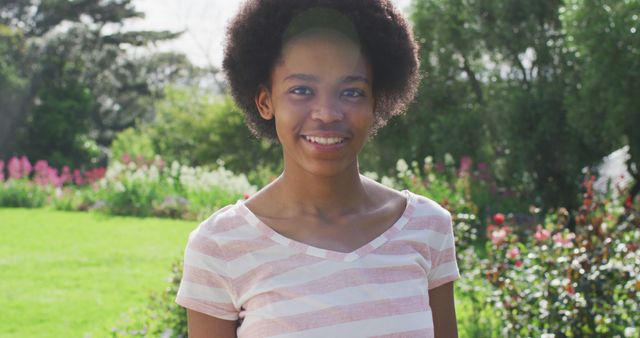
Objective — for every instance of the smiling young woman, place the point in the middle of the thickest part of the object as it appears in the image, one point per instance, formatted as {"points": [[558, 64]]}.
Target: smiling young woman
{"points": [[321, 251], [322, 102]]}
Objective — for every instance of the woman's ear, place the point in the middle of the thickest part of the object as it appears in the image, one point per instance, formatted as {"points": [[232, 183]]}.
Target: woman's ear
{"points": [[263, 102]]}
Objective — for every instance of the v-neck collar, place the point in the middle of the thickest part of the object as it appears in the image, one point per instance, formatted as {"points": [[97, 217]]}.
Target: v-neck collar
{"points": [[387, 235]]}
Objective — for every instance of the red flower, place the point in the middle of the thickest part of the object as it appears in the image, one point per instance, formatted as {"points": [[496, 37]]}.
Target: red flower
{"points": [[498, 218], [628, 203], [246, 196], [518, 264]]}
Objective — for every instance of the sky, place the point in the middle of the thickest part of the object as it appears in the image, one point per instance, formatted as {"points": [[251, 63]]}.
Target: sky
{"points": [[203, 23]]}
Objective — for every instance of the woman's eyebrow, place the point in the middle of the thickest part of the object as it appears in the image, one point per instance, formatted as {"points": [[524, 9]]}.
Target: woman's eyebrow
{"points": [[303, 77], [313, 78]]}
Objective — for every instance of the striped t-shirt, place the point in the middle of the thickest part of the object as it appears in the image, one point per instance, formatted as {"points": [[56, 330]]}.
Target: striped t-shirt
{"points": [[236, 267]]}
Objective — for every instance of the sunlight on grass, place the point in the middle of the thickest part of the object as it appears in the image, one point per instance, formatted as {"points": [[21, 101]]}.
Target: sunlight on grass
{"points": [[65, 274]]}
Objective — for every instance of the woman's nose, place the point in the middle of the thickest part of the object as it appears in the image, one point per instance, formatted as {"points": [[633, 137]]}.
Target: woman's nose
{"points": [[326, 110]]}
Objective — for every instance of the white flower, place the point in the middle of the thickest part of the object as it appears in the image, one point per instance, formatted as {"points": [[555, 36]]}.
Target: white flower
{"points": [[630, 332], [372, 175], [387, 181], [402, 166], [448, 159]]}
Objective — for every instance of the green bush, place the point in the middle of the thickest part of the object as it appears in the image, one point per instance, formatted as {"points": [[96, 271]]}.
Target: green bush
{"points": [[195, 128], [22, 193], [132, 143], [580, 283], [161, 317]]}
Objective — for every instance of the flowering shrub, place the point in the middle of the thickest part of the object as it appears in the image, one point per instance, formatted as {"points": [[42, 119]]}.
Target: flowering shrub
{"points": [[145, 188], [139, 188], [31, 186], [566, 283]]}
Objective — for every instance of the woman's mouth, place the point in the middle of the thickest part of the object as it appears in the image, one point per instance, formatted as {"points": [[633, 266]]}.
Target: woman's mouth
{"points": [[324, 140]]}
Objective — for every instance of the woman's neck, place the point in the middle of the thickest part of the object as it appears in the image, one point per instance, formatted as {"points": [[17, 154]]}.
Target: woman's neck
{"points": [[305, 193]]}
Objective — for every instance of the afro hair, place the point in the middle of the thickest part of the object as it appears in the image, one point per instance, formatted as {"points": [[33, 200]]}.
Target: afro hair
{"points": [[256, 35]]}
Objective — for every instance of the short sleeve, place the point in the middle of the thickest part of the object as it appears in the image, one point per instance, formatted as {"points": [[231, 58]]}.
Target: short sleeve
{"points": [[444, 267], [206, 286]]}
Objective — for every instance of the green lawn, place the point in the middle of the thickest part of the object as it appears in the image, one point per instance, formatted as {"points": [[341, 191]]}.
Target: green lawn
{"points": [[71, 274]]}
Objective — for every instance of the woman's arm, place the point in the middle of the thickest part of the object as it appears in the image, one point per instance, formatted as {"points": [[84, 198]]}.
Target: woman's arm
{"points": [[201, 325], [444, 311]]}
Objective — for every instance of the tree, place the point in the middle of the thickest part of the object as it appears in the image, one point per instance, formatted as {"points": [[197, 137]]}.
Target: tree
{"points": [[499, 83], [81, 54], [603, 99]]}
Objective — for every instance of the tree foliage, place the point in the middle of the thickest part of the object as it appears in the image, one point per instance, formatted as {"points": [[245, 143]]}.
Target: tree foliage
{"points": [[77, 44], [539, 88]]}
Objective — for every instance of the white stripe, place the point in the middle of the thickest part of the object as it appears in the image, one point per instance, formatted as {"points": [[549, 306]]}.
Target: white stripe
{"points": [[430, 210], [311, 272], [316, 252], [344, 296], [368, 327], [379, 241], [201, 292], [242, 232], [438, 241], [205, 262]]}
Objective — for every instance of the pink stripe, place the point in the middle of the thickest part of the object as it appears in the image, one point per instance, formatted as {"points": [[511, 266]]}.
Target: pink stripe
{"points": [[206, 246], [270, 270], [442, 257], [403, 247], [444, 280], [229, 251], [203, 277], [339, 280], [431, 222], [224, 221], [423, 333], [211, 308], [336, 315]]}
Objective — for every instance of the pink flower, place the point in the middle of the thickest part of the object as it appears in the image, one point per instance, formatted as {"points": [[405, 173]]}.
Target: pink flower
{"points": [[246, 196], [14, 168], [513, 253], [564, 241], [541, 234], [498, 236], [1, 171], [465, 165], [126, 158], [518, 264], [66, 175], [77, 177], [41, 173], [52, 177], [26, 166]]}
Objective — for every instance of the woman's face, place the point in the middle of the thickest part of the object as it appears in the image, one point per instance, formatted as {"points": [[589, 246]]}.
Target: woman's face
{"points": [[322, 101]]}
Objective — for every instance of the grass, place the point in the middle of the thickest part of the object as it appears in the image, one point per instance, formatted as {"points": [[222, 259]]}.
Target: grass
{"points": [[71, 274]]}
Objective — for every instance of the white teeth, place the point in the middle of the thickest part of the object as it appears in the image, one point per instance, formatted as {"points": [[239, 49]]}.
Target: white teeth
{"points": [[324, 140]]}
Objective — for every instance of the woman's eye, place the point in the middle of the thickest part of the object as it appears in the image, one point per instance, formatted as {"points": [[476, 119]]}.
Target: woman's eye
{"points": [[353, 93], [301, 91]]}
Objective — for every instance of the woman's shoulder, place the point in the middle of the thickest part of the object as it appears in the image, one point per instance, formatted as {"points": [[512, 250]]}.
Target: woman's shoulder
{"points": [[224, 224], [425, 206]]}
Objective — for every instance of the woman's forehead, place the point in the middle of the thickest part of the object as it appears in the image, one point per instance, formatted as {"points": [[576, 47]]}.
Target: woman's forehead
{"points": [[323, 52]]}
